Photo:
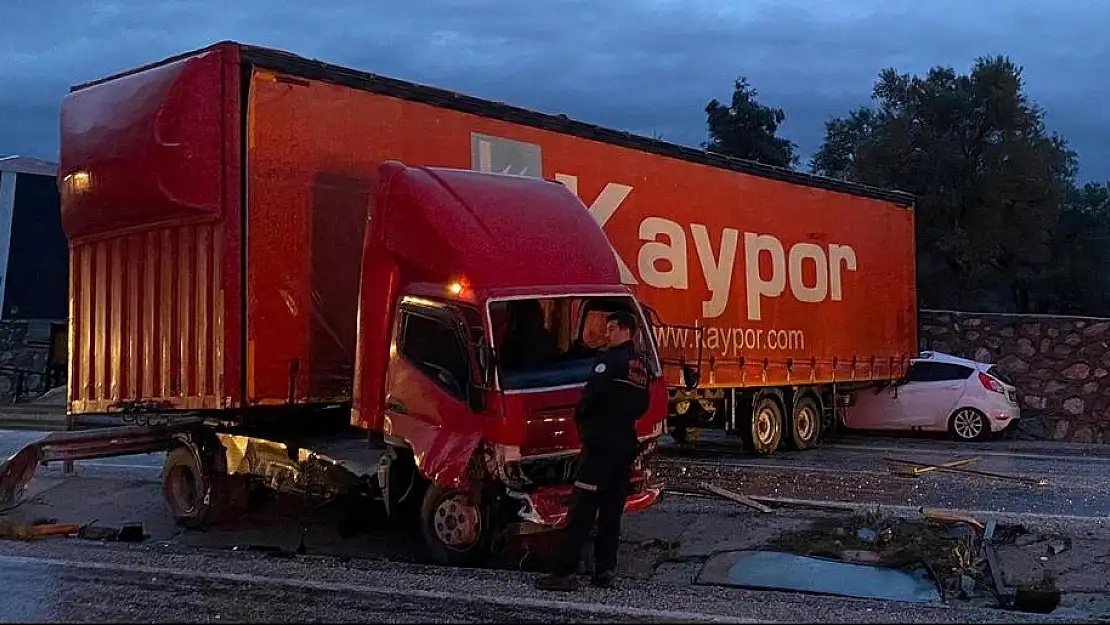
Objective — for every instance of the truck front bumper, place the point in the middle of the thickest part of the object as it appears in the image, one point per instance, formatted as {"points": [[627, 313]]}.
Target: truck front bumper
{"points": [[546, 508]]}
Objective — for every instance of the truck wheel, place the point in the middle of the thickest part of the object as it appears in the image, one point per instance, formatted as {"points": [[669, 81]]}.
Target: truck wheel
{"points": [[200, 496], [764, 432], [805, 424], [455, 529]]}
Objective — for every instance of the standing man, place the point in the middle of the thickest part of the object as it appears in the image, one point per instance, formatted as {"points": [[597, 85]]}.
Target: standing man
{"points": [[615, 396]]}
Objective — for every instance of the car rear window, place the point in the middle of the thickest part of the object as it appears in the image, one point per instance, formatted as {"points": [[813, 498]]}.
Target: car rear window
{"points": [[926, 371], [993, 370]]}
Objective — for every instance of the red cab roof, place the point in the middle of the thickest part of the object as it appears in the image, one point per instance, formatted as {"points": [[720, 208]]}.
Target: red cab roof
{"points": [[494, 230]]}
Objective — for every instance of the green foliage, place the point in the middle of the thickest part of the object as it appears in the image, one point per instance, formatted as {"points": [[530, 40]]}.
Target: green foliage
{"points": [[746, 129], [1000, 225]]}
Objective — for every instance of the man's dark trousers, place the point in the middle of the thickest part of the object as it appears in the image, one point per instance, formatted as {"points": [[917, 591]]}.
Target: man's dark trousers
{"points": [[599, 494]]}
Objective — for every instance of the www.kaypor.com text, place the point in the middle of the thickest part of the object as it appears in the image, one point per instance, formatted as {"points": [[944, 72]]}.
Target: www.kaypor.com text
{"points": [[730, 342]]}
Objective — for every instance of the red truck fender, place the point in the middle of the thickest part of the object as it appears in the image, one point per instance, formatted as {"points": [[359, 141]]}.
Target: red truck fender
{"points": [[442, 455]]}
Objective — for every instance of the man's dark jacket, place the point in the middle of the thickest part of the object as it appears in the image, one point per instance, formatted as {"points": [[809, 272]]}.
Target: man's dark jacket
{"points": [[615, 396]]}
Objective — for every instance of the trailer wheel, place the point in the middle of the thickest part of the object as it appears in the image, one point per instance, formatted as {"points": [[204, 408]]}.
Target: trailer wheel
{"points": [[764, 432], [805, 424], [199, 495], [455, 528]]}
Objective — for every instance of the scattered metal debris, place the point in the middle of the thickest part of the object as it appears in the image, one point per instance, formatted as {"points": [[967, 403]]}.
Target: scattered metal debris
{"points": [[1057, 546], [12, 530], [994, 570], [948, 517], [735, 496], [1031, 481], [917, 471]]}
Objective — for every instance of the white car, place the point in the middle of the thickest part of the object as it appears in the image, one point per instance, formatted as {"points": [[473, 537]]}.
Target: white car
{"points": [[940, 393]]}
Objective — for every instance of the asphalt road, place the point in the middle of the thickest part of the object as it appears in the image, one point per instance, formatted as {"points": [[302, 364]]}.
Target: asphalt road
{"points": [[207, 577], [854, 470], [67, 580]]}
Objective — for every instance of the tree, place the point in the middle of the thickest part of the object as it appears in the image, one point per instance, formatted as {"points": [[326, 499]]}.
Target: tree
{"points": [[1078, 274], [990, 181], [746, 129]]}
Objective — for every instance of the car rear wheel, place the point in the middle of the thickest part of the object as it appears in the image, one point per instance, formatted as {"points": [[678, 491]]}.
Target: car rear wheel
{"points": [[968, 424]]}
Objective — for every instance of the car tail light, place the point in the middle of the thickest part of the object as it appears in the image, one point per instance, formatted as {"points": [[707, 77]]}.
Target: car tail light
{"points": [[991, 384]]}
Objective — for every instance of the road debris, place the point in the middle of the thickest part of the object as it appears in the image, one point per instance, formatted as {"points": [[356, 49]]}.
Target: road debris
{"points": [[128, 533], [1031, 481], [894, 542], [735, 496], [1057, 546], [920, 470], [774, 570], [12, 530], [948, 517]]}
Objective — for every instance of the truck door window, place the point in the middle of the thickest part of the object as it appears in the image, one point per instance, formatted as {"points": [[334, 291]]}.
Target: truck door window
{"points": [[432, 345]]}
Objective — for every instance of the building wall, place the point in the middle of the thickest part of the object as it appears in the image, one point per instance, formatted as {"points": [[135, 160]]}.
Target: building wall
{"points": [[34, 253], [1061, 365], [26, 345]]}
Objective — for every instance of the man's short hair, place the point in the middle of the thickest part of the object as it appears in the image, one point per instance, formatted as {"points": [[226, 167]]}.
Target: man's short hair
{"points": [[623, 319]]}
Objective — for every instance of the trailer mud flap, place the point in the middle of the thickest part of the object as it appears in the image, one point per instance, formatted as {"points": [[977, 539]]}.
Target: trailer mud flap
{"points": [[442, 456], [17, 471]]}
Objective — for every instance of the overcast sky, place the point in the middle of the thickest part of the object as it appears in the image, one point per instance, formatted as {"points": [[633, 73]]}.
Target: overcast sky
{"points": [[648, 66]]}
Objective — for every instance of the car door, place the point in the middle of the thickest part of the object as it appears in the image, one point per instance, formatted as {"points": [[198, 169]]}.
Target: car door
{"points": [[926, 400], [879, 409]]}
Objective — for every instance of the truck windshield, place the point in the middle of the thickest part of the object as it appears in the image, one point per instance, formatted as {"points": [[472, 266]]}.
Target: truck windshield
{"points": [[546, 342]]}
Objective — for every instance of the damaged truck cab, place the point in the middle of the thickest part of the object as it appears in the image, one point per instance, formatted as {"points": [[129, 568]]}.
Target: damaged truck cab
{"points": [[481, 310]]}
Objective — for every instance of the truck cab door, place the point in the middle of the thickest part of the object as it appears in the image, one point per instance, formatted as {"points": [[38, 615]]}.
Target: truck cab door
{"points": [[427, 386]]}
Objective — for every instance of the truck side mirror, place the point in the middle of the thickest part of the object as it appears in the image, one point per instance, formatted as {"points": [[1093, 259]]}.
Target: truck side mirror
{"points": [[690, 377]]}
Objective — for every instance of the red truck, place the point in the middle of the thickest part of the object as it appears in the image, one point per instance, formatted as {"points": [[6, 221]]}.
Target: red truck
{"points": [[303, 312], [245, 256]]}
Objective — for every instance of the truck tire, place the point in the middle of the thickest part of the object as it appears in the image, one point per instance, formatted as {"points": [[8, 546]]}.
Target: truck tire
{"points": [[455, 529], [764, 431], [805, 424], [199, 496]]}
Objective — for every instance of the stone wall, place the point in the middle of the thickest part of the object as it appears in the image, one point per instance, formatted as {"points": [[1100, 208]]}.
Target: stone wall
{"points": [[1061, 365], [25, 345]]}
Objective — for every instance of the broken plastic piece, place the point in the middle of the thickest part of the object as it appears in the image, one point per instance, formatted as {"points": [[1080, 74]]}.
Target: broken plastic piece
{"points": [[788, 572]]}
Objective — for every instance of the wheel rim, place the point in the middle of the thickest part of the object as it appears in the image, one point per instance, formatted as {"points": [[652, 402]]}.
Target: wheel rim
{"points": [[457, 522], [805, 423], [765, 423], [968, 424], [183, 489]]}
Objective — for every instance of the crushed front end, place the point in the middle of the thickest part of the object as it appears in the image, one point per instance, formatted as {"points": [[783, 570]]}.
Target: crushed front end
{"points": [[539, 489]]}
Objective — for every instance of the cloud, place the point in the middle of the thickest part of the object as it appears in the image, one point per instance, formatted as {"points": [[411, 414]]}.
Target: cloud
{"points": [[648, 66]]}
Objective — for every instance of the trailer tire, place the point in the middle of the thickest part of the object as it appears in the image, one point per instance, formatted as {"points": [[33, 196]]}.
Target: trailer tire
{"points": [[805, 424], [198, 495], [455, 529], [764, 432]]}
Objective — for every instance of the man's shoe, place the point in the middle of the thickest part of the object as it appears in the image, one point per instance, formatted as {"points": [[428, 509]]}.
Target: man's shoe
{"points": [[559, 583], [604, 579]]}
